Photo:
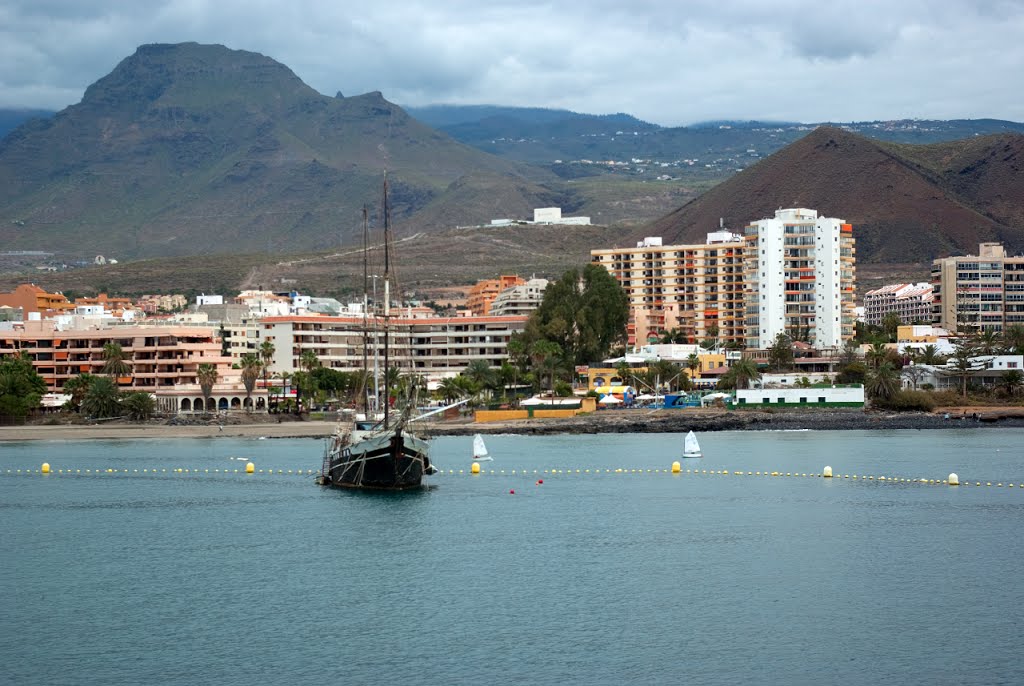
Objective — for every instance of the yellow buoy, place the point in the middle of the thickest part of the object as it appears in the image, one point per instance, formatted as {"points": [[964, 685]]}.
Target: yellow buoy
{"points": [[475, 469], [676, 467], [827, 472], [250, 468], [953, 479], [46, 468]]}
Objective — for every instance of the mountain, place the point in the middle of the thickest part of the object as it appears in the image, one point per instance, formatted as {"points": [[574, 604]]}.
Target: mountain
{"points": [[188, 149], [907, 203], [712, 149], [12, 118], [443, 116]]}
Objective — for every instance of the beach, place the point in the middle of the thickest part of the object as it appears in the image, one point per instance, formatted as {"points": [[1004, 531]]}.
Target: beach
{"points": [[605, 421]]}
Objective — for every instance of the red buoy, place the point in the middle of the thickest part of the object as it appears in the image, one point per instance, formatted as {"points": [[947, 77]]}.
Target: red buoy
{"points": [[540, 481], [512, 492]]}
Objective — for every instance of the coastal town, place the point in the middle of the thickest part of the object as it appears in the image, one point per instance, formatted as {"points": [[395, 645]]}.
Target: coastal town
{"points": [[763, 317]]}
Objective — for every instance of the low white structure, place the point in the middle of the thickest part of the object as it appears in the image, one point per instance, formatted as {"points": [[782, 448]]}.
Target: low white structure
{"points": [[836, 396], [209, 300], [986, 370], [547, 215]]}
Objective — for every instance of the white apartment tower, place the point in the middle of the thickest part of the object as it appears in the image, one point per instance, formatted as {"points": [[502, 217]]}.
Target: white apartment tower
{"points": [[799, 279]]}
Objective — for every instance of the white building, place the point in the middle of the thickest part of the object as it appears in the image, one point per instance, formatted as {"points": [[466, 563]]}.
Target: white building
{"points": [[519, 300], [435, 348], [985, 370], [800, 279], [547, 215], [912, 302], [209, 300], [835, 396]]}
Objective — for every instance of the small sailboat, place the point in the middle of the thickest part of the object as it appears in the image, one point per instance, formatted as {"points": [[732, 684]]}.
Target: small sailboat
{"points": [[480, 453], [691, 448]]}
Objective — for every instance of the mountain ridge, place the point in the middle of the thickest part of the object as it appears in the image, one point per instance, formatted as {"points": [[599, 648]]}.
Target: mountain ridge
{"points": [[902, 208]]}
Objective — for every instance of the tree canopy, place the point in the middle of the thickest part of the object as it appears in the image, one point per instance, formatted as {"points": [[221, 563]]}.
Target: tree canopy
{"points": [[21, 387], [584, 313]]}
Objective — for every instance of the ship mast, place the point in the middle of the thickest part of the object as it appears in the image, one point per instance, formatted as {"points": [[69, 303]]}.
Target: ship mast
{"points": [[387, 299], [366, 322]]}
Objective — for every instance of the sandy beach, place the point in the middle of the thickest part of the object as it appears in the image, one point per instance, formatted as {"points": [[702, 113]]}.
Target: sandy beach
{"points": [[311, 429]]}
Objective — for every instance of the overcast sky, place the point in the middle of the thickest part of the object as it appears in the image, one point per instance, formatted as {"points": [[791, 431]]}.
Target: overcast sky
{"points": [[667, 61]]}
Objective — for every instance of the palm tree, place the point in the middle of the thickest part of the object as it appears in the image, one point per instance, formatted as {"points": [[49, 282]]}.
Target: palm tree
{"points": [[624, 371], [544, 355], [207, 376], [77, 388], [450, 389], [1013, 339], [251, 368], [305, 383], [506, 375], [114, 363], [480, 372], [883, 383], [930, 355], [989, 342], [101, 400], [693, 364], [743, 371], [266, 353], [138, 405], [876, 355]]}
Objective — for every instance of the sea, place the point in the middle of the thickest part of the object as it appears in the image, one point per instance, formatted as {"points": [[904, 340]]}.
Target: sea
{"points": [[569, 560]]}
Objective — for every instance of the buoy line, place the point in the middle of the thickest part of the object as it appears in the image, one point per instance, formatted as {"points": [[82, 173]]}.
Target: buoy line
{"points": [[475, 470]]}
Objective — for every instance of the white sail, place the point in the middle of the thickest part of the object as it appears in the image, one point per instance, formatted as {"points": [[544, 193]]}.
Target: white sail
{"points": [[480, 449], [691, 448]]}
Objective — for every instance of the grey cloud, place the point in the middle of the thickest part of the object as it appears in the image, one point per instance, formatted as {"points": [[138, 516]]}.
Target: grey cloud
{"points": [[670, 62]]}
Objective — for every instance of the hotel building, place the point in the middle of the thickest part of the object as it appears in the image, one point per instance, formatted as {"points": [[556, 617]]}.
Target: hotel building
{"points": [[982, 292], [687, 288], [435, 347], [163, 360], [799, 278], [912, 302]]}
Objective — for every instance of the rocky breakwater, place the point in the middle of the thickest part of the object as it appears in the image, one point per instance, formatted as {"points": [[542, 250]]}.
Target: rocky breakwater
{"points": [[673, 421]]}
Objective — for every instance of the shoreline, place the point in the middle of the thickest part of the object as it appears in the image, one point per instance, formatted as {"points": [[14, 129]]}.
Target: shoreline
{"points": [[610, 421]]}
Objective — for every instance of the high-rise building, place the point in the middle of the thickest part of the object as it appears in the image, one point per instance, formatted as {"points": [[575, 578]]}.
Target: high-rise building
{"points": [[799, 278], [978, 292], [693, 291], [794, 273]]}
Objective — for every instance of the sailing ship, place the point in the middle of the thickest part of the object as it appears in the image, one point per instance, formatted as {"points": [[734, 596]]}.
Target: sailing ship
{"points": [[480, 453], [691, 448], [374, 452]]}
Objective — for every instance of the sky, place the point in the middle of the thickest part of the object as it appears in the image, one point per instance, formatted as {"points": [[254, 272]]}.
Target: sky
{"points": [[671, 62]]}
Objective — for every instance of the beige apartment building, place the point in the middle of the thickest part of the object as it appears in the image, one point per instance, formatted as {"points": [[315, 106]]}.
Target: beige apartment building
{"points": [[978, 292], [687, 288], [163, 361]]}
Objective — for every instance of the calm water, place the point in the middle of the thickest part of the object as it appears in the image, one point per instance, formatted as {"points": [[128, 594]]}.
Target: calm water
{"points": [[593, 579]]}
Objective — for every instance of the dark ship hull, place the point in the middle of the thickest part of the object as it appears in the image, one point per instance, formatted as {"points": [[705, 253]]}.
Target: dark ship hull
{"points": [[391, 461]]}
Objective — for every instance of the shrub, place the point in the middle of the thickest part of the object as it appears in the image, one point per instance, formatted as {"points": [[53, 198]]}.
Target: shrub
{"points": [[907, 401]]}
